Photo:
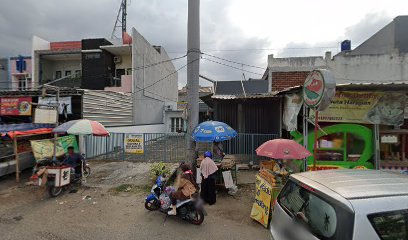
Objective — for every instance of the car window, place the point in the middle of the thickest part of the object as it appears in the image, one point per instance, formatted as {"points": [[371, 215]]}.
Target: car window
{"points": [[323, 217], [319, 215], [391, 225]]}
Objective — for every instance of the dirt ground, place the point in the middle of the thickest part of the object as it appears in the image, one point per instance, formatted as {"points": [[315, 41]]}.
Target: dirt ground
{"points": [[95, 211]]}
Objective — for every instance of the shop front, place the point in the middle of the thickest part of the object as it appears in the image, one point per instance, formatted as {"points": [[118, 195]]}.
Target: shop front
{"points": [[362, 128]]}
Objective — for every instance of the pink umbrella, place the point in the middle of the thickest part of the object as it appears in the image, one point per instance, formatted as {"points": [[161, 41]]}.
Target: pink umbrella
{"points": [[282, 149]]}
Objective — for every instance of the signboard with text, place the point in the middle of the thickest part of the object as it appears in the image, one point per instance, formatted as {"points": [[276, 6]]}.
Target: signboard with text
{"points": [[262, 206], [134, 143], [365, 107], [15, 106], [65, 103]]}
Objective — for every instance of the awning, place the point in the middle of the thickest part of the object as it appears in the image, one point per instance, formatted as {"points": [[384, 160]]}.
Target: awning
{"points": [[28, 132], [5, 128]]}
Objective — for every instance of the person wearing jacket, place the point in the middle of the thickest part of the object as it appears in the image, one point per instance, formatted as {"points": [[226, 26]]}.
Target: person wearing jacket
{"points": [[187, 186]]}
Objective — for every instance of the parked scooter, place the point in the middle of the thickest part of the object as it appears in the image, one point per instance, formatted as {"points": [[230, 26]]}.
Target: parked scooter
{"points": [[191, 210]]}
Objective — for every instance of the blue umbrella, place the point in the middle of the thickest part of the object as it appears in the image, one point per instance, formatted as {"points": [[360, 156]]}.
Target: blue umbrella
{"points": [[213, 131]]}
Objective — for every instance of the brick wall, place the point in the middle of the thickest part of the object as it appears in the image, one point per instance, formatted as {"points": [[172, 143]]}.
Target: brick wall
{"points": [[60, 46], [282, 80]]}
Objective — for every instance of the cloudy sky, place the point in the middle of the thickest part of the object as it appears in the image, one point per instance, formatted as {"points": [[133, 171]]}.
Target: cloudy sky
{"points": [[239, 30]]}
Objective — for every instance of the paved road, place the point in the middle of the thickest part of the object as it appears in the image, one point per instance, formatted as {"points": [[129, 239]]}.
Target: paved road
{"points": [[26, 214]]}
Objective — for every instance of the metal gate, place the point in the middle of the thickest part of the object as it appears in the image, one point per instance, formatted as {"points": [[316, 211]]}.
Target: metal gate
{"points": [[169, 147]]}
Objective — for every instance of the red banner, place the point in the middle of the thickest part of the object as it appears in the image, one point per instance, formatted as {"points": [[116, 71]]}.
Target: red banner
{"points": [[18, 106]]}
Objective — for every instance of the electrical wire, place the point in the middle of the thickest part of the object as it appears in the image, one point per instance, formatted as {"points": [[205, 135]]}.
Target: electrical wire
{"points": [[239, 63], [226, 65]]}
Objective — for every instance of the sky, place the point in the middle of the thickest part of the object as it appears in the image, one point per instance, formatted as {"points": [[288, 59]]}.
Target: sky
{"points": [[238, 30]]}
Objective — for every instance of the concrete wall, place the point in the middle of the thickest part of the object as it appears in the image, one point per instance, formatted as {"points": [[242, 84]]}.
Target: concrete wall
{"points": [[49, 68], [151, 93], [380, 43], [382, 68], [125, 63], [126, 85], [38, 44]]}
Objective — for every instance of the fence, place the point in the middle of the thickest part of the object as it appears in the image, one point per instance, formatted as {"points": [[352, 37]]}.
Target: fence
{"points": [[169, 147]]}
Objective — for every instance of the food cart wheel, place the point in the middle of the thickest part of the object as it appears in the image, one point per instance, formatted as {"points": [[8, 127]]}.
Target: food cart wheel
{"points": [[54, 191]]}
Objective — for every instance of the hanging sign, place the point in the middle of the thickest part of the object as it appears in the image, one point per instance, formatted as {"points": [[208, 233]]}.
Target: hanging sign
{"points": [[134, 143], [262, 206], [65, 103], [18, 106], [45, 116], [389, 139], [319, 88]]}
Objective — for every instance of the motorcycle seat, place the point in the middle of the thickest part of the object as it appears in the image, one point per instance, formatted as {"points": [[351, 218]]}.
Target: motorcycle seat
{"points": [[180, 203]]}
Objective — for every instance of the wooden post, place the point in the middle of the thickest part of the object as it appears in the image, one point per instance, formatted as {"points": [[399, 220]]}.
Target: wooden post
{"points": [[16, 157], [403, 146], [315, 139]]}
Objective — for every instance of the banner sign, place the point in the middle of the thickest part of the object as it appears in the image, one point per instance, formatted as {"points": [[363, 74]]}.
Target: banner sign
{"points": [[64, 103], [18, 106], [134, 143], [46, 116], [292, 105], [318, 89], [44, 149], [262, 206], [181, 105], [365, 107]]}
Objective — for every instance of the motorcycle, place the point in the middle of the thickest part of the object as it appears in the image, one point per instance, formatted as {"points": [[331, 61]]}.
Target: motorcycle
{"points": [[58, 176], [191, 210]]}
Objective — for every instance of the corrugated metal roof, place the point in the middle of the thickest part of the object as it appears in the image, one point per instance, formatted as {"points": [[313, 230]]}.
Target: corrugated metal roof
{"points": [[241, 87], [248, 96]]}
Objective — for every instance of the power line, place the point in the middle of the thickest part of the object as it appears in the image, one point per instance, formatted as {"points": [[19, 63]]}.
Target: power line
{"points": [[262, 49], [239, 63], [226, 65]]}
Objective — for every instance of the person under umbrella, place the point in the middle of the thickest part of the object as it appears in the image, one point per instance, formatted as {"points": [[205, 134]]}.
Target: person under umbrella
{"points": [[208, 170]]}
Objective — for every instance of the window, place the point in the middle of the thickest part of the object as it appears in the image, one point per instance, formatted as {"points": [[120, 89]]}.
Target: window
{"points": [[120, 72], [58, 74], [318, 215], [390, 225], [129, 71], [22, 84], [176, 125], [67, 73]]}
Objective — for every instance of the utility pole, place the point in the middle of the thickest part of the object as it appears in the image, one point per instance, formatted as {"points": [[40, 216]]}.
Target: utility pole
{"points": [[193, 69]]}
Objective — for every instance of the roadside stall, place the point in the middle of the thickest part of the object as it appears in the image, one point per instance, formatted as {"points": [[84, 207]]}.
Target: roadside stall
{"points": [[274, 173], [213, 132], [15, 149]]}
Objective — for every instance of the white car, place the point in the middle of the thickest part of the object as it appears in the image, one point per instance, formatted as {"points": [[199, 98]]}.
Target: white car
{"points": [[342, 204]]}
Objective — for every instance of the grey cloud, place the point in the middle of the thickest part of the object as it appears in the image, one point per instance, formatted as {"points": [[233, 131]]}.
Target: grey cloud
{"points": [[357, 33]]}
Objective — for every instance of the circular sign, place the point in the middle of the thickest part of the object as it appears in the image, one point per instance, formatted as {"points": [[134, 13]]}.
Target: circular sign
{"points": [[319, 89]]}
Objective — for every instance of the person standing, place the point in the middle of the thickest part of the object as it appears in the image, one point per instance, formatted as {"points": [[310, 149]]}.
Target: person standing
{"points": [[208, 170]]}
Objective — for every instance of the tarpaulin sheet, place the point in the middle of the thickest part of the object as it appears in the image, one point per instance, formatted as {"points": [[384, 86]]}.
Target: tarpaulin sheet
{"points": [[5, 128], [28, 132]]}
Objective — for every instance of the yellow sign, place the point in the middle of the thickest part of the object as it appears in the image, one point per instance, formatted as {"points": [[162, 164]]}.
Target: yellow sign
{"points": [[262, 206], [134, 143], [365, 107]]}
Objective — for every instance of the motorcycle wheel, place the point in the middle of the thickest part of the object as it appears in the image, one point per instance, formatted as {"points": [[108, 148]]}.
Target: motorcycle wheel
{"points": [[87, 171], [54, 191], [196, 217], [152, 205]]}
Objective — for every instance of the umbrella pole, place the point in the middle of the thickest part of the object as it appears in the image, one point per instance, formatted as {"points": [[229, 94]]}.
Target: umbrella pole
{"points": [[54, 155], [315, 139]]}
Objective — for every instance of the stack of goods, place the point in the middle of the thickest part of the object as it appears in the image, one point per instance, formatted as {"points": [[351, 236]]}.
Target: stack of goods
{"points": [[227, 163], [268, 176]]}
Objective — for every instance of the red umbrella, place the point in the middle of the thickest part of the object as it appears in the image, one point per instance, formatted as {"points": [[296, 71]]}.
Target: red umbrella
{"points": [[282, 149]]}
